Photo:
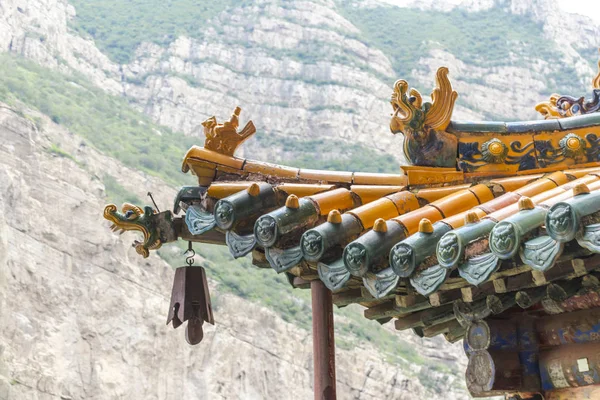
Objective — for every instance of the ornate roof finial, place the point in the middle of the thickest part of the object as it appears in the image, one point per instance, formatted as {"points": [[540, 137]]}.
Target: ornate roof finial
{"points": [[418, 121], [224, 138], [566, 106]]}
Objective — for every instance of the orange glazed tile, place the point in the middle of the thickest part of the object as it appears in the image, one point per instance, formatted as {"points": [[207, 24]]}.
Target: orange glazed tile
{"points": [[433, 194], [223, 189], [404, 201], [223, 169], [204, 172], [482, 192], [368, 213], [579, 172], [458, 220], [543, 184], [559, 177], [567, 194], [460, 201], [325, 176], [303, 189], [554, 194], [338, 199], [200, 154], [267, 169], [549, 202], [369, 193], [513, 183], [412, 219], [499, 202], [366, 178], [539, 191], [504, 212], [588, 179]]}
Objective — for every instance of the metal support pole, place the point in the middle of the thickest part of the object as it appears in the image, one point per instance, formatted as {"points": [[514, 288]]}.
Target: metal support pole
{"points": [[323, 341]]}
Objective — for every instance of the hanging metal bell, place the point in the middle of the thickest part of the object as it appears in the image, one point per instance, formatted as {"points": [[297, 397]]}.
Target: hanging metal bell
{"points": [[190, 301]]}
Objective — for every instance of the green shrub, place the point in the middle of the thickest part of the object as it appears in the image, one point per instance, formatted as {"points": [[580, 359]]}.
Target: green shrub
{"points": [[117, 194], [106, 122], [119, 26], [487, 38]]}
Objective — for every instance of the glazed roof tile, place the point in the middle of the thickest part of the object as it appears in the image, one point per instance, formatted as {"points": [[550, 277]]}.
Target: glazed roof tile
{"points": [[449, 227], [369, 197]]}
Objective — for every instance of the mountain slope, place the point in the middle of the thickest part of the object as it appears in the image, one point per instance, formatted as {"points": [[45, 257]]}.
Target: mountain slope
{"points": [[314, 70]]}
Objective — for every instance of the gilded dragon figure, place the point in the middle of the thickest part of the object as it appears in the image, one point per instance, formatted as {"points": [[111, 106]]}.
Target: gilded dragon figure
{"points": [[567, 106], [224, 138], [134, 218]]}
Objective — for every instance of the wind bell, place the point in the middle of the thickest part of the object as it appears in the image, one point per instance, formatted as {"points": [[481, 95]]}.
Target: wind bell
{"points": [[190, 299]]}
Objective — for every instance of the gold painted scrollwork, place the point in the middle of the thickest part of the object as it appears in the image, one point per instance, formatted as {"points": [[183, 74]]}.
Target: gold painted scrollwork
{"points": [[596, 80]]}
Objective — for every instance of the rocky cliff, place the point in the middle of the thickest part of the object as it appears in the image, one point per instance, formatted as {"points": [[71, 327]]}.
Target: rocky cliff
{"points": [[302, 69]]}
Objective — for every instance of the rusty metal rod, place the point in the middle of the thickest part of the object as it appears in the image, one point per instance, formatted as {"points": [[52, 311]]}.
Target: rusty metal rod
{"points": [[323, 341]]}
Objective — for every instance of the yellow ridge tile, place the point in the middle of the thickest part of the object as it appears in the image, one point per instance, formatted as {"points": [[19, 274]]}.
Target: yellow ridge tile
{"points": [[267, 169], [369, 193], [366, 178], [412, 219], [380, 208], [427, 177], [433, 194], [513, 183], [326, 176], [198, 154], [303, 189], [223, 189], [404, 201], [461, 201], [338, 199]]}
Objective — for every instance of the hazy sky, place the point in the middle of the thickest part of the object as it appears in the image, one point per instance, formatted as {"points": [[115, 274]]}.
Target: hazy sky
{"points": [[590, 8]]}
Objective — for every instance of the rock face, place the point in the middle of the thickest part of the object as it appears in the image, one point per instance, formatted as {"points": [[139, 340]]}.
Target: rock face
{"points": [[82, 315], [298, 69]]}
